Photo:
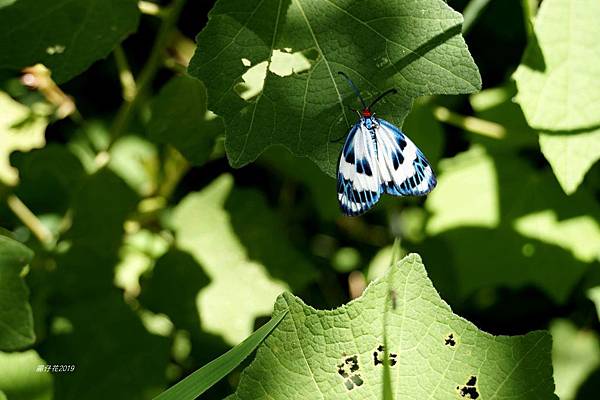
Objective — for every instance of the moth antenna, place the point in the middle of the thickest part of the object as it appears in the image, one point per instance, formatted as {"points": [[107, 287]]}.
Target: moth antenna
{"points": [[354, 88], [382, 95]]}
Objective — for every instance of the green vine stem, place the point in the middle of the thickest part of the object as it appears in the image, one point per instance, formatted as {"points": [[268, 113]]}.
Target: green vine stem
{"points": [[154, 63], [29, 219], [468, 123]]}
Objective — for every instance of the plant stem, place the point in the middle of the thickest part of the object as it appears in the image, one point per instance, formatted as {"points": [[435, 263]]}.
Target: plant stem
{"points": [[29, 219], [471, 124], [529, 11], [125, 76], [472, 12], [175, 167], [149, 71], [149, 8]]}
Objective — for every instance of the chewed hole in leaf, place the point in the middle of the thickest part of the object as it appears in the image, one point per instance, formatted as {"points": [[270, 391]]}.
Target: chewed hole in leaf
{"points": [[357, 380], [469, 390], [347, 369], [253, 81], [285, 64], [282, 63], [379, 355], [450, 340]]}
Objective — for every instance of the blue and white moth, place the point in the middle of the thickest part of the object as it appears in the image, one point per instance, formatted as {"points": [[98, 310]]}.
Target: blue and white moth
{"points": [[378, 158]]}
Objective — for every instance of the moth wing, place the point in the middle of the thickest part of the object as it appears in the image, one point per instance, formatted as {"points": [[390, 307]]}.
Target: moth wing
{"points": [[358, 178], [404, 170]]}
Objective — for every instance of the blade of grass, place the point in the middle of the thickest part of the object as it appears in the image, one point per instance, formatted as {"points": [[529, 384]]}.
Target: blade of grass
{"points": [[201, 380], [387, 393]]}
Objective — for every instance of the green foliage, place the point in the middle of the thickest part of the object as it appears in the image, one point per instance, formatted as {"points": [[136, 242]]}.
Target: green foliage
{"points": [[180, 118], [575, 354], [134, 249], [17, 132], [557, 68], [59, 35], [234, 236], [15, 313], [201, 380], [19, 379], [469, 210], [555, 91], [335, 354], [415, 47]]}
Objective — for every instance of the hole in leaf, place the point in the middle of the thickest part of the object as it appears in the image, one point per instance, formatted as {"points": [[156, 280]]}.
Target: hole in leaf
{"points": [[469, 390], [450, 341], [357, 380], [347, 369], [285, 63], [349, 385], [282, 63], [379, 354], [253, 81]]}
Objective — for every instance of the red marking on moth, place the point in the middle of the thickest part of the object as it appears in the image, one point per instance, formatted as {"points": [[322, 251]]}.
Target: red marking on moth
{"points": [[366, 113]]}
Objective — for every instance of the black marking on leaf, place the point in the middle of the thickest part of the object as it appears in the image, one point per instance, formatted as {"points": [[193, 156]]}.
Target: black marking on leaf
{"points": [[450, 341], [342, 371], [378, 356], [357, 380], [376, 359], [469, 390], [347, 369]]}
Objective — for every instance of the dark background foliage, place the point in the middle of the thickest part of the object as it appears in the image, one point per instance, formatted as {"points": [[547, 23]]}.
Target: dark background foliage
{"points": [[115, 292]]}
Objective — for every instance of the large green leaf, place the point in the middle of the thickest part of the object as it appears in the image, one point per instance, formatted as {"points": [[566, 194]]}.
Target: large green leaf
{"points": [[575, 355], [67, 36], [555, 89], [571, 155], [270, 68], [435, 354], [180, 117], [16, 321], [172, 289], [18, 131], [114, 355], [135, 160], [497, 221], [468, 178], [98, 211], [561, 65], [242, 246], [48, 178], [20, 378]]}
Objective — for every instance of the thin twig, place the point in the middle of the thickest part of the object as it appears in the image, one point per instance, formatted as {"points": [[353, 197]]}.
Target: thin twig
{"points": [[29, 219], [471, 124], [125, 76], [149, 71]]}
